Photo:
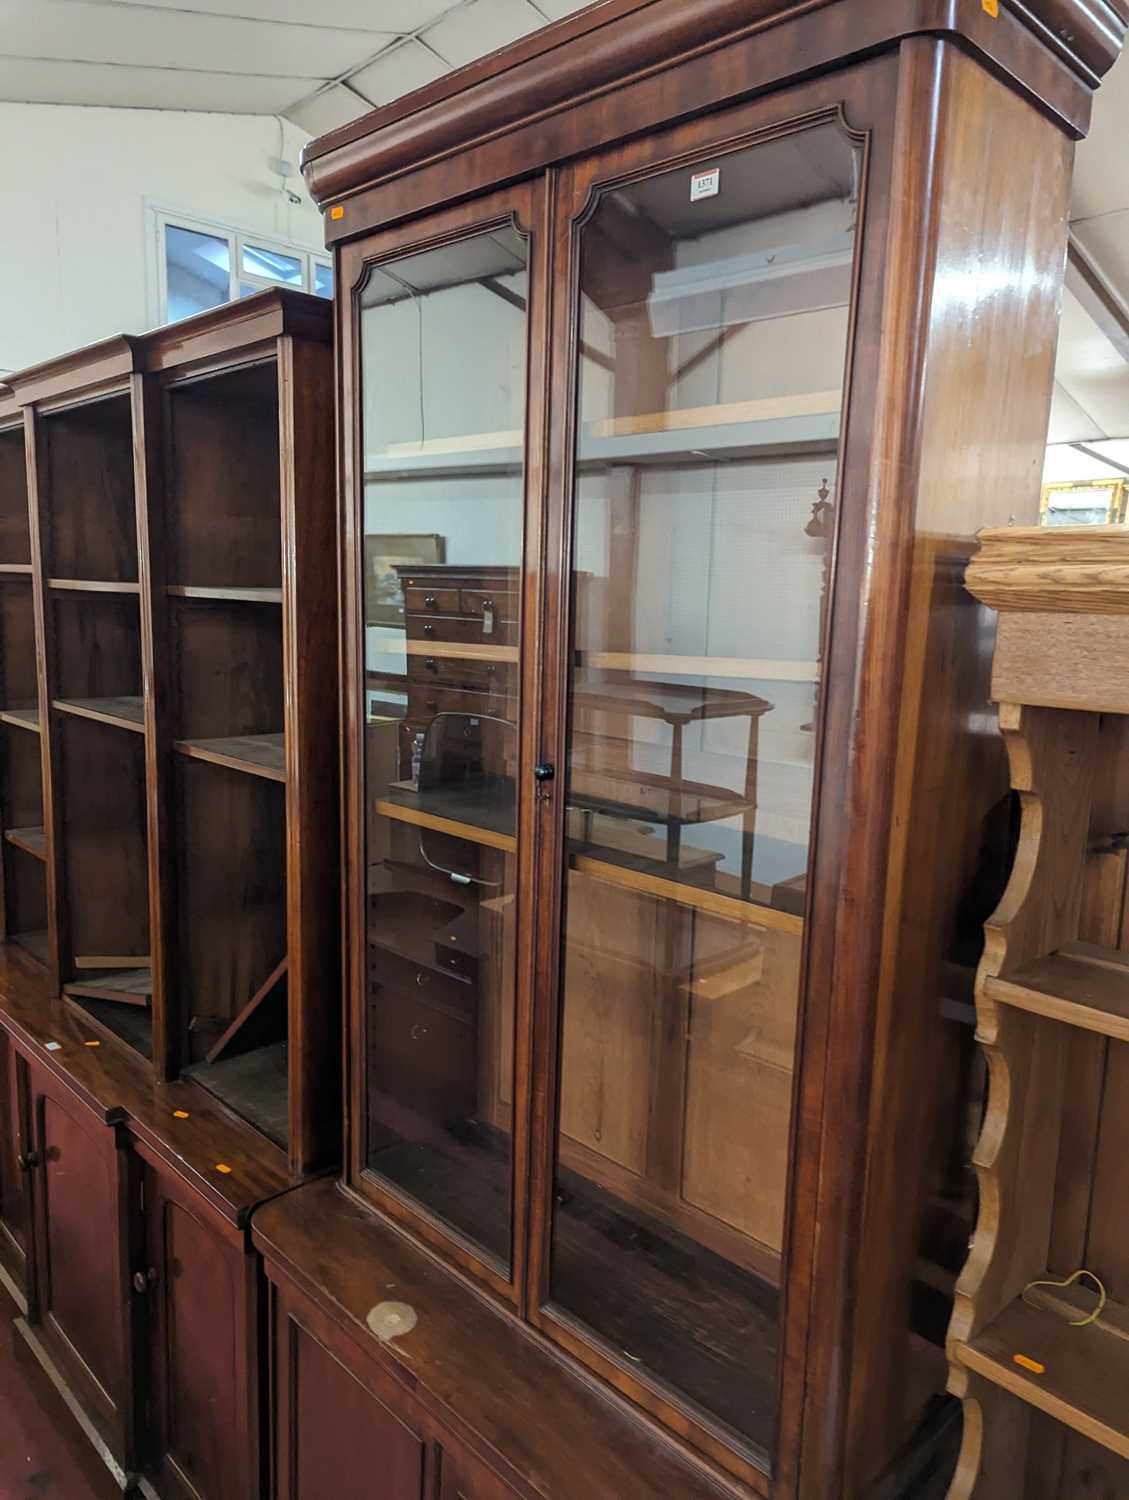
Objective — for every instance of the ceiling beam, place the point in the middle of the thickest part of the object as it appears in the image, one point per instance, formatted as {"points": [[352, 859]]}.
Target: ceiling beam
{"points": [[1098, 298]]}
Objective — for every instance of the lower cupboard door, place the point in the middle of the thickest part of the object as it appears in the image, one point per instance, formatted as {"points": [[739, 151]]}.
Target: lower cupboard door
{"points": [[203, 1348], [83, 1290], [334, 1439]]}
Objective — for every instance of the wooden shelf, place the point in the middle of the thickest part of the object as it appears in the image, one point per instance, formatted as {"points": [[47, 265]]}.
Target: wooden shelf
{"points": [[124, 713], [21, 718], [128, 987], [1086, 1370], [758, 669], [1081, 984], [225, 595], [131, 1024], [255, 1085], [30, 840], [479, 822], [692, 435], [92, 586], [256, 754], [17, 570], [36, 943]]}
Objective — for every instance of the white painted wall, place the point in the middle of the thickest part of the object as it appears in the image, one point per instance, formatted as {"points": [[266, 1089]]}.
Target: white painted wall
{"points": [[75, 264]]}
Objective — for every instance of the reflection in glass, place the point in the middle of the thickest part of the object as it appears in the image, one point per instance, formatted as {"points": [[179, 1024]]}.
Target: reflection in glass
{"points": [[197, 271], [323, 280], [443, 374], [257, 260], [713, 331]]}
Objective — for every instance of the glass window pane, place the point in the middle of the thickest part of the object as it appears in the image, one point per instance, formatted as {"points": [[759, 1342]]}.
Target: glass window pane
{"points": [[443, 459], [713, 331], [197, 271], [258, 261], [323, 280], [248, 289]]}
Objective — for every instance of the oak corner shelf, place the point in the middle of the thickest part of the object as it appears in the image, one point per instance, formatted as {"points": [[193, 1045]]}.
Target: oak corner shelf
{"points": [[1085, 1376], [1044, 991], [1081, 984]]}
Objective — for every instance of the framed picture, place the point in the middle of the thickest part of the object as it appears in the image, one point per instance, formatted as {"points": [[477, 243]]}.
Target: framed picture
{"points": [[1084, 502], [384, 599]]}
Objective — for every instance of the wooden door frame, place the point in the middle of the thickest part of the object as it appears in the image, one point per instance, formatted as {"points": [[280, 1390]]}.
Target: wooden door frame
{"points": [[525, 206], [837, 979]]}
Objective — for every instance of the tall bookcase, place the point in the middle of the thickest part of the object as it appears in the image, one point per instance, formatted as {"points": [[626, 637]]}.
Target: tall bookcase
{"points": [[24, 908], [176, 874]]}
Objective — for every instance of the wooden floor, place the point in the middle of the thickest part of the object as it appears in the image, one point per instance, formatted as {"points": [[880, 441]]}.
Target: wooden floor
{"points": [[43, 1453]]}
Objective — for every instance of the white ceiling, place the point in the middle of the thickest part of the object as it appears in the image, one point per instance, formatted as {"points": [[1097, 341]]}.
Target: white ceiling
{"points": [[319, 64], [322, 64]]}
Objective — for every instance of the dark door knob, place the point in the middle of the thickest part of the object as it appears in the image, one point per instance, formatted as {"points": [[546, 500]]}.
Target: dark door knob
{"points": [[544, 772], [26, 1163]]}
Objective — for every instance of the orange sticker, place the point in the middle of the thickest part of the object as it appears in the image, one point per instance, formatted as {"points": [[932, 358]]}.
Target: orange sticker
{"points": [[180, 1114], [992, 7], [1029, 1364], [92, 1044], [338, 209], [222, 1166]]}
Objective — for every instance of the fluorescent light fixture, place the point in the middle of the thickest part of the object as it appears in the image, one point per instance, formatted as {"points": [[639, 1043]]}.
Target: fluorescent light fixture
{"points": [[773, 283]]}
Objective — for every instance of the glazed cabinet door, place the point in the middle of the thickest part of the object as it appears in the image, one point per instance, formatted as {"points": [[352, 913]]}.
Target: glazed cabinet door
{"points": [[444, 346], [200, 1287], [15, 1164], [708, 295], [81, 1197]]}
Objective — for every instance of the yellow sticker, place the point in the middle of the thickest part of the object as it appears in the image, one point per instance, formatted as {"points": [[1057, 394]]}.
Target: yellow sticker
{"points": [[92, 1044], [992, 7], [338, 209], [222, 1166], [1029, 1364], [180, 1114]]}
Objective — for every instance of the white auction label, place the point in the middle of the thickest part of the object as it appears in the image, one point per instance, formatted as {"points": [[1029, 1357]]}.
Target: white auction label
{"points": [[705, 184]]}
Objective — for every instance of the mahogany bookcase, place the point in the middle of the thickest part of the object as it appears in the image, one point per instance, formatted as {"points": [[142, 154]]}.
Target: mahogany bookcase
{"points": [[169, 803]]}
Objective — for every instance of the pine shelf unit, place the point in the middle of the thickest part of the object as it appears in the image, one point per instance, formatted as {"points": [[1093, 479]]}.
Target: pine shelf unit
{"points": [[1043, 986], [173, 570]]}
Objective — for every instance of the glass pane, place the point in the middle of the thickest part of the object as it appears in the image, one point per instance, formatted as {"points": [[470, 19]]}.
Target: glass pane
{"points": [[323, 280], [197, 271], [713, 328], [248, 289], [258, 261], [443, 461]]}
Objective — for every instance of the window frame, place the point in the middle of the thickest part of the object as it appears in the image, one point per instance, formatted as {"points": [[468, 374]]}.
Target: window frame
{"points": [[161, 218]]}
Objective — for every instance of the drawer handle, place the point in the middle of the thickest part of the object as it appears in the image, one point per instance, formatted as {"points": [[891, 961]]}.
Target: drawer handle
{"points": [[431, 601], [428, 628], [431, 664]]}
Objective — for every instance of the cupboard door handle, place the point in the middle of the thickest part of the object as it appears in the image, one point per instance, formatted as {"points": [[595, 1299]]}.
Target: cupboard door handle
{"points": [[29, 1162], [143, 1280], [544, 772]]}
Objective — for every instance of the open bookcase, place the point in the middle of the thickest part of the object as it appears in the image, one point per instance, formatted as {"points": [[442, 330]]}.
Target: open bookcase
{"points": [[24, 853], [1052, 1000], [182, 551]]}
